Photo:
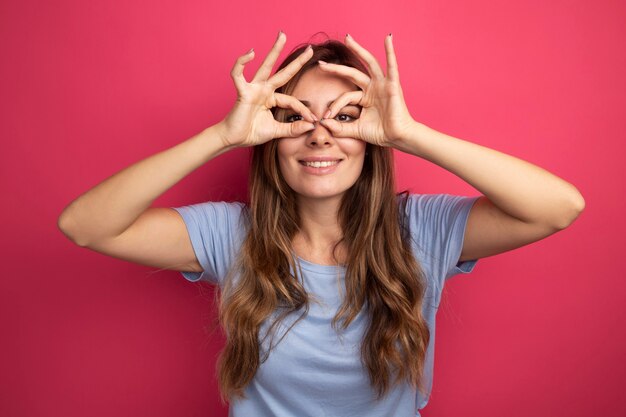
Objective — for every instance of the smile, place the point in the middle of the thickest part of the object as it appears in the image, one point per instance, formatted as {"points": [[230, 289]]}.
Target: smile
{"points": [[320, 164]]}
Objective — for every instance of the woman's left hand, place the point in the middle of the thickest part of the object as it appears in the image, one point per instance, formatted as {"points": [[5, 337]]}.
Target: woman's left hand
{"points": [[384, 119]]}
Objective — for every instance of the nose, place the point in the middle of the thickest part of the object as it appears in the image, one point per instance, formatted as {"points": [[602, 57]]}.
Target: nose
{"points": [[320, 136]]}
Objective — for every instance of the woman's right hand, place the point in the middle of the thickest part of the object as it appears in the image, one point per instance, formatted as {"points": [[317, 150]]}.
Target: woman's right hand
{"points": [[251, 122]]}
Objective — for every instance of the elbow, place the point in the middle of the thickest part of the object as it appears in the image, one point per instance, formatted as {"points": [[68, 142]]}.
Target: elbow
{"points": [[571, 210], [64, 225]]}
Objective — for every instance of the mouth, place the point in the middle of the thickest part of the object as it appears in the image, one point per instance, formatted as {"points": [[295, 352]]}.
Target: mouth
{"points": [[320, 167], [320, 164]]}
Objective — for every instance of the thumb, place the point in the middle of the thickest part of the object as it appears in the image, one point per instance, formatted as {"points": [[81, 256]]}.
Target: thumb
{"points": [[341, 130], [294, 129]]}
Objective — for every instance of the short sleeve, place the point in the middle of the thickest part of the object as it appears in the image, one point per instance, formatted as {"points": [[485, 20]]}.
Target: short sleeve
{"points": [[437, 223], [216, 231]]}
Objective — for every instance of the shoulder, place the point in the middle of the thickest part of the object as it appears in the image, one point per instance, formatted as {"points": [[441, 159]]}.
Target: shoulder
{"points": [[428, 201], [235, 210], [436, 225], [424, 207], [432, 203], [219, 213], [223, 206], [216, 230], [434, 219], [221, 223]]}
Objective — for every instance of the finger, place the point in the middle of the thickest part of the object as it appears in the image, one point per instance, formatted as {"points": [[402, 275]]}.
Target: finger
{"points": [[286, 101], [292, 130], [352, 97], [341, 130], [353, 74], [392, 64], [285, 74], [237, 72], [265, 69], [371, 62]]}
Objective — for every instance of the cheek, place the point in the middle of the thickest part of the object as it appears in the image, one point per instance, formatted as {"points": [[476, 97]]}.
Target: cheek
{"points": [[283, 153], [353, 147], [285, 147]]}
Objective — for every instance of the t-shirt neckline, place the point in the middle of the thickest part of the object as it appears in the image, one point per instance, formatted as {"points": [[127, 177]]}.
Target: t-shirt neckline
{"points": [[320, 269]]}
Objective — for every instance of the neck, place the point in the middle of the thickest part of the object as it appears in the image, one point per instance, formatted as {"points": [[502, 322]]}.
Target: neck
{"points": [[319, 229]]}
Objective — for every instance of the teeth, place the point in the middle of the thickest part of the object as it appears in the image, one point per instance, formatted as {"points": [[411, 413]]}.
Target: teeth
{"points": [[319, 164]]}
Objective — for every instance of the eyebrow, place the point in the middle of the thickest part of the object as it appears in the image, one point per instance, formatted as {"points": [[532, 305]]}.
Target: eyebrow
{"points": [[308, 104]]}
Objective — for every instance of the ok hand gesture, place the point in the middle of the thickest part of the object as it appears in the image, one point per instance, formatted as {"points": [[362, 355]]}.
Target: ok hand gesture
{"points": [[250, 122], [384, 119]]}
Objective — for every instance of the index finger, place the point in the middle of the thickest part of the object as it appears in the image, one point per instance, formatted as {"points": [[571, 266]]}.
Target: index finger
{"points": [[268, 63], [285, 74], [357, 77], [372, 64], [392, 64]]}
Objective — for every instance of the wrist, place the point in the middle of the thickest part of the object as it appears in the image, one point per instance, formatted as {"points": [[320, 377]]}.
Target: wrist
{"points": [[413, 140], [213, 137], [219, 133]]}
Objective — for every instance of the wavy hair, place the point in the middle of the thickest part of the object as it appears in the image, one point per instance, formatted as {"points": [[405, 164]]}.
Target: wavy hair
{"points": [[382, 276]]}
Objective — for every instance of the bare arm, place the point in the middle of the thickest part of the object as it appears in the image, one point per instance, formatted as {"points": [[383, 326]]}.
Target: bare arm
{"points": [[115, 217], [109, 208], [522, 202]]}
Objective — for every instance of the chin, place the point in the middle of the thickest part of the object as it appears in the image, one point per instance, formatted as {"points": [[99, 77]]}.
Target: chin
{"points": [[321, 194], [320, 188]]}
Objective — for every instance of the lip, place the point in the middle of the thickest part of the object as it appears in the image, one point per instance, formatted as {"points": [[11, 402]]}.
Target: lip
{"points": [[320, 170], [320, 159]]}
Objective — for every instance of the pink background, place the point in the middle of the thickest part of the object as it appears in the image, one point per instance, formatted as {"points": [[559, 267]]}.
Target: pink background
{"points": [[88, 88]]}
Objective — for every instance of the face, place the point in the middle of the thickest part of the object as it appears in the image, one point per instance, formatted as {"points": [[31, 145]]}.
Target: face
{"points": [[341, 158]]}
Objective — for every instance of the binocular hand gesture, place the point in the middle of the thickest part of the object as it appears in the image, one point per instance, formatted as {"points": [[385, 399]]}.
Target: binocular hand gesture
{"points": [[251, 122], [385, 119]]}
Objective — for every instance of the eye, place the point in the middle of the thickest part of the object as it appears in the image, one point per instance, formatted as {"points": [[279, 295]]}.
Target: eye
{"points": [[290, 118], [342, 117]]}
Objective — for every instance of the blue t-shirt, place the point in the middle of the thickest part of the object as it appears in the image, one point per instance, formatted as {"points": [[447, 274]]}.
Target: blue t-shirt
{"points": [[314, 370]]}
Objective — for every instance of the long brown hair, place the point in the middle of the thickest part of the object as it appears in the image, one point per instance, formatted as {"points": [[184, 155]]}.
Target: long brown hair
{"points": [[382, 275]]}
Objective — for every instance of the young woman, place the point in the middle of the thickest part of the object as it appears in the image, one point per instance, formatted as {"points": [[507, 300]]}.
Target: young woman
{"points": [[329, 280]]}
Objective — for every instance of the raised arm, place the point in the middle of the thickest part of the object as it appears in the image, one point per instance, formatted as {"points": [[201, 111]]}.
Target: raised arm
{"points": [[522, 203], [108, 209], [115, 217]]}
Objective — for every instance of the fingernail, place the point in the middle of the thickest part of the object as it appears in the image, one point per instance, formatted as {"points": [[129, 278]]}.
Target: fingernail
{"points": [[347, 35], [390, 34], [322, 62], [308, 48], [326, 114], [315, 117], [251, 49]]}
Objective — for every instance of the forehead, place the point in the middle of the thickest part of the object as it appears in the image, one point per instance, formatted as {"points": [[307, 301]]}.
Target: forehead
{"points": [[316, 83]]}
